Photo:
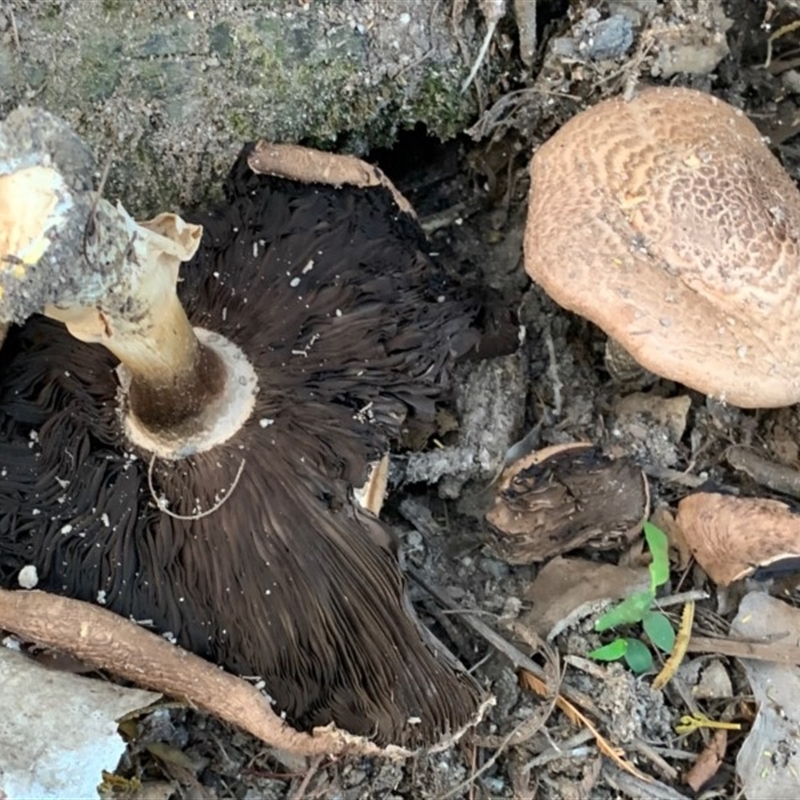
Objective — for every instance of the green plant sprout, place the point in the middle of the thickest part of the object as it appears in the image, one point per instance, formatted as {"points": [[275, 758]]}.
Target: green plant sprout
{"points": [[638, 608]]}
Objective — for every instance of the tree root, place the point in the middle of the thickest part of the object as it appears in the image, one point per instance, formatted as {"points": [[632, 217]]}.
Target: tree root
{"points": [[109, 642]]}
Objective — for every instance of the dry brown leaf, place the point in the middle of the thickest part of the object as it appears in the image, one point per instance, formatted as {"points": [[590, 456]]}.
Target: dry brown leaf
{"points": [[708, 762], [775, 652], [568, 589]]}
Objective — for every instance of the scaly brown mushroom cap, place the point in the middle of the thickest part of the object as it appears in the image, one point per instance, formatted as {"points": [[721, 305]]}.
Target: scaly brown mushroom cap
{"points": [[666, 221]]}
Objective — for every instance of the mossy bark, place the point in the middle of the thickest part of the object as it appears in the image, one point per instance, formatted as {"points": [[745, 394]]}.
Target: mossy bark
{"points": [[171, 89]]}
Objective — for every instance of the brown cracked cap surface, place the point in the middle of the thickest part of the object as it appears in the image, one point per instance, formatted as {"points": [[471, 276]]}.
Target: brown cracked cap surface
{"points": [[668, 223]]}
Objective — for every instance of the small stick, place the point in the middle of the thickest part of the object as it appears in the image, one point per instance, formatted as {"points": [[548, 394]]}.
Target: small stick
{"points": [[513, 654], [693, 595], [631, 786], [89, 227], [673, 476], [764, 472], [310, 773], [14, 28], [552, 371], [490, 762], [493, 12], [739, 648]]}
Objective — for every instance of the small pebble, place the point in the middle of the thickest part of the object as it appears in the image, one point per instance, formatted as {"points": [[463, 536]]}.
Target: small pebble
{"points": [[494, 568], [609, 38], [28, 577]]}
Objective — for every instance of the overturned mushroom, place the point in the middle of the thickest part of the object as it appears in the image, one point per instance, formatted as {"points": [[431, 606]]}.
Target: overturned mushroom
{"points": [[666, 221], [564, 497], [186, 456], [733, 537]]}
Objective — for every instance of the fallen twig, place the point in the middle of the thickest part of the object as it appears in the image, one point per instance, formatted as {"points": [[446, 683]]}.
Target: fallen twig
{"points": [[575, 716], [633, 787], [571, 748], [673, 476], [513, 654], [493, 11], [312, 770], [740, 648], [552, 372], [777, 477], [489, 763], [523, 662], [428, 527]]}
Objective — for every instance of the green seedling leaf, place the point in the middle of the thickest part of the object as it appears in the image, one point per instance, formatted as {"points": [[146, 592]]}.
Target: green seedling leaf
{"points": [[637, 656], [659, 630], [659, 549], [613, 651], [629, 611]]}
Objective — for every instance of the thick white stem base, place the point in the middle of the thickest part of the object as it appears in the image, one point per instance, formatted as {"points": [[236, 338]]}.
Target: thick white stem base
{"points": [[219, 420]]}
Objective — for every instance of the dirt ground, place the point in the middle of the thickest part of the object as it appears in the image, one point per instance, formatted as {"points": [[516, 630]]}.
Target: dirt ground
{"points": [[471, 193]]}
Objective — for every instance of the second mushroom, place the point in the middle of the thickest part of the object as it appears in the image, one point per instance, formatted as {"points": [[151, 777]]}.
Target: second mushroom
{"points": [[666, 221]]}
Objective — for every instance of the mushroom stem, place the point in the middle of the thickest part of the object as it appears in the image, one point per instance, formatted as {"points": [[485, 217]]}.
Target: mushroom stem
{"points": [[183, 386], [173, 376], [169, 375], [112, 281]]}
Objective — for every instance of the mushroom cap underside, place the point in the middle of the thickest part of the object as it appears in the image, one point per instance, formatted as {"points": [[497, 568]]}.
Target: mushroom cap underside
{"points": [[666, 221], [345, 319]]}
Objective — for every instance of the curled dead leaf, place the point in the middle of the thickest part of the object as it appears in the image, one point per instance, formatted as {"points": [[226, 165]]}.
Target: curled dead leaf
{"points": [[708, 762], [566, 590]]}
